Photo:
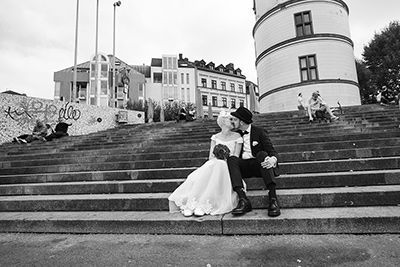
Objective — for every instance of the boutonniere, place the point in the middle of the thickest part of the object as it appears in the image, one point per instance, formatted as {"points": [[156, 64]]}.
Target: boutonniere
{"points": [[255, 143]]}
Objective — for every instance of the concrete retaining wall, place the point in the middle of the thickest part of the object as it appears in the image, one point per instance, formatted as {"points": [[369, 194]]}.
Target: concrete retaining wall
{"points": [[19, 114]]}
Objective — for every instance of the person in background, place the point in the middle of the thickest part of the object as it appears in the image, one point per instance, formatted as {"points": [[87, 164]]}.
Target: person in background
{"points": [[300, 103], [61, 130], [388, 97], [39, 132], [317, 103]]}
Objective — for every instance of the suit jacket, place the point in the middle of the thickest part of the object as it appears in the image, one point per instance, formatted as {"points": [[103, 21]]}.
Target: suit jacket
{"points": [[259, 141]]}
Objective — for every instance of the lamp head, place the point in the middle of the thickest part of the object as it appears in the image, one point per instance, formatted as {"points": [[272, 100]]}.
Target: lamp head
{"points": [[118, 3]]}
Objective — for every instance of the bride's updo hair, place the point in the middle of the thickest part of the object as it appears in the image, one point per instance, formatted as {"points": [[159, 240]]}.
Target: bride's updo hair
{"points": [[223, 116]]}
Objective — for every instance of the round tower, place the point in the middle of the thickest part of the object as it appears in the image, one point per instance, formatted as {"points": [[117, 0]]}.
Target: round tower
{"points": [[304, 46]]}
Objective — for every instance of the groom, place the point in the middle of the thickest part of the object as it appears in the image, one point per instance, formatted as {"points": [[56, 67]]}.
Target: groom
{"points": [[258, 158]]}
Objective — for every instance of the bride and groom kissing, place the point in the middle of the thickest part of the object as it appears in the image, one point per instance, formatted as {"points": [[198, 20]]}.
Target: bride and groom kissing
{"points": [[240, 150]]}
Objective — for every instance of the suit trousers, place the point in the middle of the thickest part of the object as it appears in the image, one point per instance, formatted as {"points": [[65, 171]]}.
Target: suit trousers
{"points": [[246, 168]]}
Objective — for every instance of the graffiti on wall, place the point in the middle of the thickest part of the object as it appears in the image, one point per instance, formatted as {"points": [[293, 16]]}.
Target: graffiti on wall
{"points": [[69, 112], [31, 109]]}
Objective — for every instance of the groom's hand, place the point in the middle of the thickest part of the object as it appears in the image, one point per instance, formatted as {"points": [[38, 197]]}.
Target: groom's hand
{"points": [[269, 162]]}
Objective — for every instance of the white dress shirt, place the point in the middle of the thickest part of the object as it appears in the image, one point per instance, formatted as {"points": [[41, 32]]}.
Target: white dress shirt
{"points": [[246, 145]]}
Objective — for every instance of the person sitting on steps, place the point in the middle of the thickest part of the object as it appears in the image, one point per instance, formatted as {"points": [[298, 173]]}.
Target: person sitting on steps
{"points": [[39, 132], [316, 103], [60, 130]]}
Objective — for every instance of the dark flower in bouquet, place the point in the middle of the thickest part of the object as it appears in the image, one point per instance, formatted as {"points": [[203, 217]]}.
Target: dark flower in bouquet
{"points": [[221, 151]]}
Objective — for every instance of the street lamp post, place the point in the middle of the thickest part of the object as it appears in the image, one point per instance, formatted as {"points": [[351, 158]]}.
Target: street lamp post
{"points": [[96, 67], [118, 3], [73, 98]]}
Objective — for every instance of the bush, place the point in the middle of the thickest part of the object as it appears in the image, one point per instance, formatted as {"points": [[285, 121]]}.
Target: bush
{"points": [[171, 109]]}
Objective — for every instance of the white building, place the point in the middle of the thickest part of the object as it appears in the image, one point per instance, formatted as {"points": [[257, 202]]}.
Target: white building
{"points": [[304, 46]]}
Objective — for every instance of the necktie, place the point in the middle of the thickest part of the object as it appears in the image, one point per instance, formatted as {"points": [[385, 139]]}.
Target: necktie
{"points": [[243, 133]]}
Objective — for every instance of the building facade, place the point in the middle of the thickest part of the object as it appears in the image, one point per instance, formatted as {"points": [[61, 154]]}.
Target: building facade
{"points": [[171, 78], [304, 46], [95, 85]]}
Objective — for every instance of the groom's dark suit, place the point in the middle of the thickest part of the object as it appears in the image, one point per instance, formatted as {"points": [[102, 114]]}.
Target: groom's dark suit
{"points": [[261, 147]]}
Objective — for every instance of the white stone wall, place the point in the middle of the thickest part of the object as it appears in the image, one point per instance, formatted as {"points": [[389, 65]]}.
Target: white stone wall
{"points": [[326, 17], [286, 100], [278, 69], [19, 114], [335, 60]]}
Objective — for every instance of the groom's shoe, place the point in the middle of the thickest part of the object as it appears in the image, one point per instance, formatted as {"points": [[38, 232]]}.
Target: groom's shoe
{"points": [[243, 206], [273, 209]]}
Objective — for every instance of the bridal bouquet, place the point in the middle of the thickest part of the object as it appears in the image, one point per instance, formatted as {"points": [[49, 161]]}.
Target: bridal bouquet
{"points": [[221, 151]]}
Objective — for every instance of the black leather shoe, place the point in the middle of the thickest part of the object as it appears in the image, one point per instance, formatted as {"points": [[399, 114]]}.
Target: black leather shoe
{"points": [[243, 206], [273, 209]]}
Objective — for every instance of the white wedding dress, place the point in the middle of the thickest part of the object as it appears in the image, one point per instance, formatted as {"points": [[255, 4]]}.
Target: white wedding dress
{"points": [[208, 188]]}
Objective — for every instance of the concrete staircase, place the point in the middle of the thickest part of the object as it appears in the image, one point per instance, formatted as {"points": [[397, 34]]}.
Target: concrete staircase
{"points": [[339, 177]]}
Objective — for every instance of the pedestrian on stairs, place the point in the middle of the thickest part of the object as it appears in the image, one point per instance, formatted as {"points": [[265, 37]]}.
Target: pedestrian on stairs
{"points": [[257, 159]]}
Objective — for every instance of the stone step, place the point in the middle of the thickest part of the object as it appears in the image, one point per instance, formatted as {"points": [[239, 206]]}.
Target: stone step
{"points": [[97, 176], [291, 156], [289, 198], [58, 152], [299, 144], [312, 180], [330, 165], [112, 141], [288, 132], [348, 220]]}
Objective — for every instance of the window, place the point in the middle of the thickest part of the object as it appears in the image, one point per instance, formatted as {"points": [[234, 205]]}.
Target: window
{"points": [[188, 94], [224, 102], [308, 68], [93, 70], [233, 103], [93, 88], [104, 86], [182, 94], [241, 103], [214, 101], [82, 93], [141, 93], [204, 100], [157, 77], [104, 70], [213, 84], [204, 82], [240, 88], [182, 78], [120, 93], [187, 78], [232, 87], [57, 89], [223, 86], [303, 23]]}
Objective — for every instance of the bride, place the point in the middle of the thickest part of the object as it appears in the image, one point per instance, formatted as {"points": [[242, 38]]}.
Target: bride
{"points": [[208, 189]]}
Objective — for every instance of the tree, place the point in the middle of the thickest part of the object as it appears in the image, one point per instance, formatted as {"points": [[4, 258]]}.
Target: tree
{"points": [[382, 57], [367, 88], [171, 109]]}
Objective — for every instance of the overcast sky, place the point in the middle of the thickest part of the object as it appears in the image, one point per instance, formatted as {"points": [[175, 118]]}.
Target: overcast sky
{"points": [[37, 37]]}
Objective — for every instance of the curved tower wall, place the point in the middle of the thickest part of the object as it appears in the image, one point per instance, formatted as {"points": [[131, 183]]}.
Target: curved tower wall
{"points": [[279, 50]]}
